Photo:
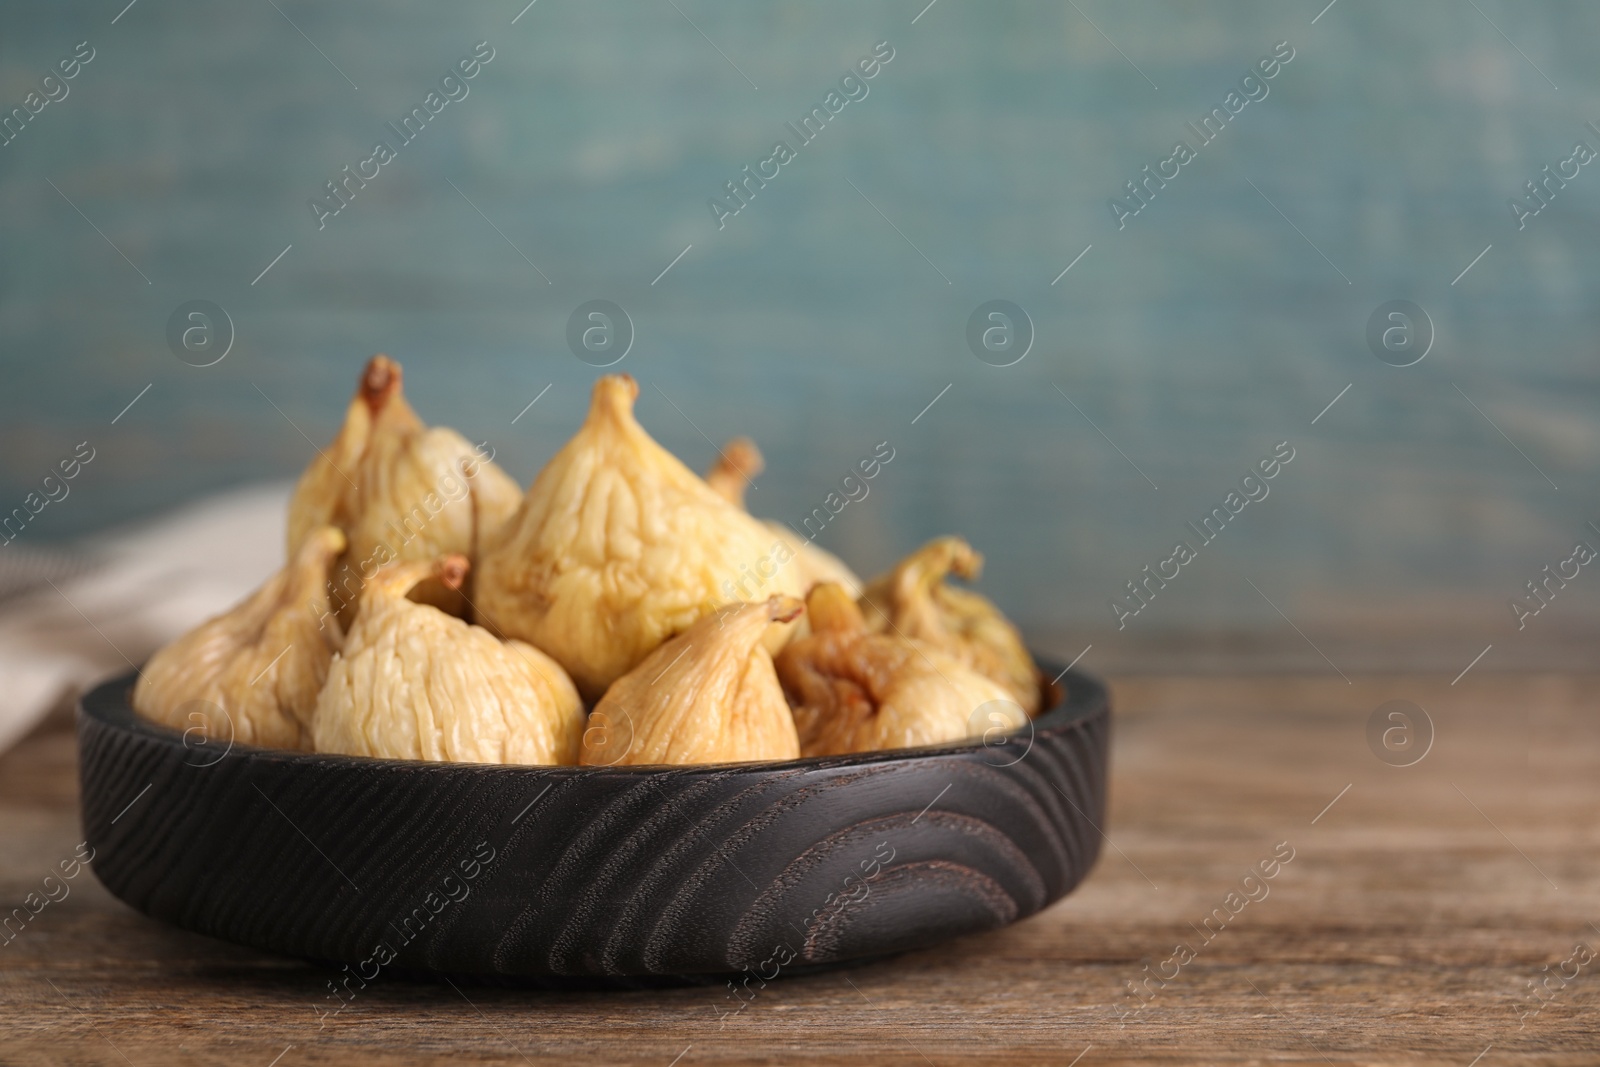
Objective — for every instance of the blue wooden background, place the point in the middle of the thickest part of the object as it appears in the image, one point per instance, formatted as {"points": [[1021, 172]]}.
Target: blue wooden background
{"points": [[829, 312]]}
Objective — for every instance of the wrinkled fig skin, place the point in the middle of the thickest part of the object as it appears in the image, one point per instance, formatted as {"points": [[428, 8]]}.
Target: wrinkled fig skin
{"points": [[708, 695], [856, 691], [252, 674], [399, 490], [617, 547], [738, 463], [914, 600], [415, 683]]}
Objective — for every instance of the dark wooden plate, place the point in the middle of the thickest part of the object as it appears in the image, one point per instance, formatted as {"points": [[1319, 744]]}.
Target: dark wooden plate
{"points": [[573, 873]]}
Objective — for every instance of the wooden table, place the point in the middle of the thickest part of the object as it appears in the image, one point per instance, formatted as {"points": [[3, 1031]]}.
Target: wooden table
{"points": [[1419, 905]]}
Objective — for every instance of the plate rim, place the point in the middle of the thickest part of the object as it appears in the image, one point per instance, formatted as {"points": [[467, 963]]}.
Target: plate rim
{"points": [[1084, 697]]}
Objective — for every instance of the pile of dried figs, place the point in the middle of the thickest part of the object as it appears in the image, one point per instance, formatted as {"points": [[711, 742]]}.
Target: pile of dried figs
{"points": [[431, 610]]}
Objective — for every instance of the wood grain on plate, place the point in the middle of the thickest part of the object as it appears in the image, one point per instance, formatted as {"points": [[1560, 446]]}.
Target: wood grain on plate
{"points": [[556, 872], [1406, 929]]}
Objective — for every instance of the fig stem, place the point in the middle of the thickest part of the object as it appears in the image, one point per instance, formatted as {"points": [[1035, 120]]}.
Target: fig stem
{"points": [[380, 382]]}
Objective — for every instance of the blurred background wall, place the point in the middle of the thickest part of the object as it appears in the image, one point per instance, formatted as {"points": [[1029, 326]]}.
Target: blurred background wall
{"points": [[825, 316]]}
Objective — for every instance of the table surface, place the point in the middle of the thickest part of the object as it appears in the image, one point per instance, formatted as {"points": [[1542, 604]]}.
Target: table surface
{"points": [[1420, 906]]}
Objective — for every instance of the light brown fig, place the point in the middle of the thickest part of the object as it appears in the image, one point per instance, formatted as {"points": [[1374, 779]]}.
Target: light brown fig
{"points": [[708, 695], [915, 601], [857, 691], [738, 463], [400, 490], [252, 674], [618, 546], [413, 682]]}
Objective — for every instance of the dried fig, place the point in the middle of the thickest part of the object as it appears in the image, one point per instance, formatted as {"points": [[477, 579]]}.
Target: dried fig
{"points": [[856, 691], [400, 490], [616, 547], [737, 464], [252, 673], [413, 682], [708, 695], [914, 600]]}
